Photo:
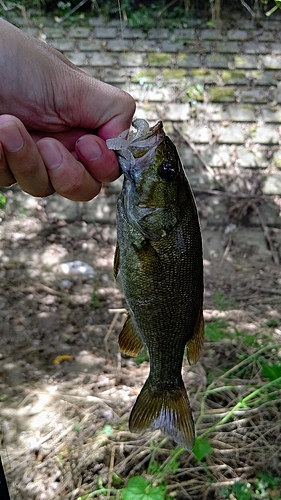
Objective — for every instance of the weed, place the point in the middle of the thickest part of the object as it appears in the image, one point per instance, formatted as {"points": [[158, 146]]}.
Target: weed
{"points": [[246, 397], [264, 487], [95, 300], [224, 303], [142, 357], [101, 490], [202, 448], [2, 201], [272, 372], [64, 5], [240, 491], [273, 322], [274, 9], [140, 488], [216, 330]]}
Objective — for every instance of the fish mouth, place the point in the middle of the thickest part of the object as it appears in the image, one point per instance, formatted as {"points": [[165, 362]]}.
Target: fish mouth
{"points": [[136, 149]]}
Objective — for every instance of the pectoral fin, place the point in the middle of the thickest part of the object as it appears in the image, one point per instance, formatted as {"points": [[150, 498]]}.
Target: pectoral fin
{"points": [[128, 340], [194, 345], [149, 259], [116, 263]]}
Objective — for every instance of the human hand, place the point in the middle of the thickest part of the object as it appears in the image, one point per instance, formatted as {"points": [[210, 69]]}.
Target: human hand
{"points": [[49, 113]]}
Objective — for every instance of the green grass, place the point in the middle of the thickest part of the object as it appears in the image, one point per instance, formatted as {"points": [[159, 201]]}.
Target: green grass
{"points": [[237, 413]]}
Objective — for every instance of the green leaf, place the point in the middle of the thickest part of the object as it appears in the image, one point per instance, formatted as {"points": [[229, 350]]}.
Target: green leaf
{"points": [[2, 200], [173, 465], [273, 322], [77, 427], [108, 430], [242, 491], [139, 488], [272, 372], [142, 356], [223, 302], [251, 340], [202, 448], [116, 479], [95, 302], [268, 480], [153, 467]]}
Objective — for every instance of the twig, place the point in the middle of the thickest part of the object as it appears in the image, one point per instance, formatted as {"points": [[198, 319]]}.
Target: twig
{"points": [[274, 253], [111, 326], [248, 8], [72, 11], [160, 12], [248, 196], [45, 288], [111, 469], [226, 250], [3, 5], [269, 291], [194, 149]]}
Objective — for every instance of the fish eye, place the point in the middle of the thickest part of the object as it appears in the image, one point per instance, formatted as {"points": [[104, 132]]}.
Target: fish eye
{"points": [[168, 171]]}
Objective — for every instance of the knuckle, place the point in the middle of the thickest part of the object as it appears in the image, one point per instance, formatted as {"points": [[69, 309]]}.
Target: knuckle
{"points": [[80, 187]]}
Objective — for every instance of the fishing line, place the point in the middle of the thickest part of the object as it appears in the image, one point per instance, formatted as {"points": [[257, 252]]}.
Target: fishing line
{"points": [[121, 21], [4, 492], [123, 43]]}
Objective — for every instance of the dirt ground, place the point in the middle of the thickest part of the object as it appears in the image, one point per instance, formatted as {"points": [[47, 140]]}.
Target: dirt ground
{"points": [[66, 391]]}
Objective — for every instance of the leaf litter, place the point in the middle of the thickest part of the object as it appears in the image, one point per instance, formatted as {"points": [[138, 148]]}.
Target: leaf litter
{"points": [[66, 391]]}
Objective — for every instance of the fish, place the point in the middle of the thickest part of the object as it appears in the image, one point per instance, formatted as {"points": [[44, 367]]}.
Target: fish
{"points": [[159, 258]]}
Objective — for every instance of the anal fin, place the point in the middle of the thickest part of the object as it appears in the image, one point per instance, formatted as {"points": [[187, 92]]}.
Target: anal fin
{"points": [[129, 341], [195, 344]]}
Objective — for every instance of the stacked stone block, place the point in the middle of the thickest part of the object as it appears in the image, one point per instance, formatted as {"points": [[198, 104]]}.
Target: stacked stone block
{"points": [[218, 93]]}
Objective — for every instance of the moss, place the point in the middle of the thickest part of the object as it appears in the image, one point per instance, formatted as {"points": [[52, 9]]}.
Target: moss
{"points": [[257, 74], [173, 74], [195, 92], [241, 61], [232, 75], [252, 130], [222, 94], [204, 75], [169, 128], [157, 59], [277, 159], [145, 75]]}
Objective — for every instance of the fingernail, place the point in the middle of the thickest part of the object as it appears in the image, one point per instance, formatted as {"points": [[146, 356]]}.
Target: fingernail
{"points": [[11, 137], [89, 148], [51, 155]]}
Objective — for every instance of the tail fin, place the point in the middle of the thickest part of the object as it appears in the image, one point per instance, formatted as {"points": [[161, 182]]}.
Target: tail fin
{"points": [[167, 410]]}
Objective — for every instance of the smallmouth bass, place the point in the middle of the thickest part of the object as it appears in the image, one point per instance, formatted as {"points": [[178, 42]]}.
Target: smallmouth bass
{"points": [[159, 257]]}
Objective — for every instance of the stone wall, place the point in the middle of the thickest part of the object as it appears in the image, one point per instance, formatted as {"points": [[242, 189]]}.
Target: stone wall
{"points": [[218, 93]]}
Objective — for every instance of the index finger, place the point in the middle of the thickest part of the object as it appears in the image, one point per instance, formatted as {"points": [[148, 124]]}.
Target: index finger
{"points": [[22, 158]]}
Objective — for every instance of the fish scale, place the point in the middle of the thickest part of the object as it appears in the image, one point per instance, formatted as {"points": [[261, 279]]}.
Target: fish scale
{"points": [[159, 257]]}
